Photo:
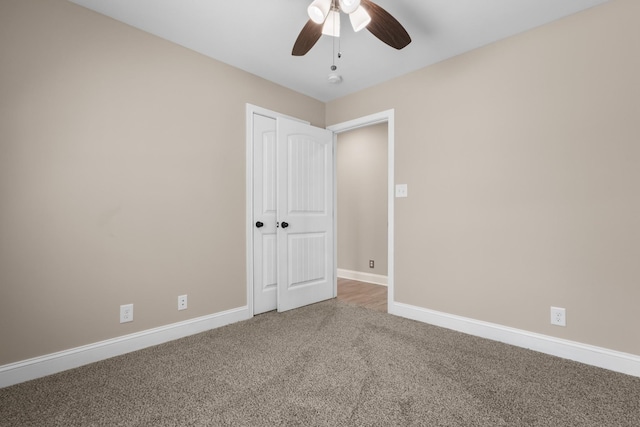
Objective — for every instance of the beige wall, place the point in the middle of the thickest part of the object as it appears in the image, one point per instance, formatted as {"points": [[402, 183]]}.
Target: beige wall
{"points": [[361, 172], [122, 177], [523, 165]]}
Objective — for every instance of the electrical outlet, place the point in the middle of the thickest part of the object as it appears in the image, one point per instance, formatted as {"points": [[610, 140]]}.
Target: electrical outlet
{"points": [[182, 302], [558, 316], [371, 263], [126, 313]]}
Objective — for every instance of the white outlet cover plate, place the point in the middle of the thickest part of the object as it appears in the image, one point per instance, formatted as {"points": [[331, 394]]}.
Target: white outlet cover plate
{"points": [[558, 316], [182, 302], [402, 190], [126, 313]]}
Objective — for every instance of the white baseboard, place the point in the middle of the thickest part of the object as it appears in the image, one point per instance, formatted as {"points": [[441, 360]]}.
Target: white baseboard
{"points": [[591, 355], [37, 367], [376, 279]]}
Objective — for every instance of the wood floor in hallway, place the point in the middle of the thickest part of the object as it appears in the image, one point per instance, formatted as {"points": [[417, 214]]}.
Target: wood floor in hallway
{"points": [[363, 294]]}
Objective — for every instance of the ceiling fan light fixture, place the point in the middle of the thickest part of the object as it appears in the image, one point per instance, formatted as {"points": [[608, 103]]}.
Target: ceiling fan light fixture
{"points": [[318, 10], [349, 6], [387, 29], [360, 18], [331, 25]]}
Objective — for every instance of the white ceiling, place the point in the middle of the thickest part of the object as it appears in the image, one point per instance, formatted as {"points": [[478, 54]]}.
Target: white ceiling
{"points": [[257, 35]]}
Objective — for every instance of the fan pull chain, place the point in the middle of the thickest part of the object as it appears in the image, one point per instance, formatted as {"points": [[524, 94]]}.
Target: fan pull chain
{"points": [[334, 67], [333, 53]]}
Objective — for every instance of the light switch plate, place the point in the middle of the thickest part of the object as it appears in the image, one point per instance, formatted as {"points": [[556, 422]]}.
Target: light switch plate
{"points": [[402, 190]]}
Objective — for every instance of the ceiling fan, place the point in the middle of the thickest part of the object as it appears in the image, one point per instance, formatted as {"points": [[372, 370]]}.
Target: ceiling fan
{"points": [[325, 19]]}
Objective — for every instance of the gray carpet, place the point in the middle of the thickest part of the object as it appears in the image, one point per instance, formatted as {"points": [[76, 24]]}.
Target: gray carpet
{"points": [[329, 364]]}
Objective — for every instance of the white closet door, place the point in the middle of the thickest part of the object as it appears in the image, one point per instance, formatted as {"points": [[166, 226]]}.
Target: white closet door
{"points": [[304, 214], [265, 268]]}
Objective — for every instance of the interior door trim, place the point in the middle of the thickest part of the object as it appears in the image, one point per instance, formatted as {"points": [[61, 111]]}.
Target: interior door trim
{"points": [[387, 116]]}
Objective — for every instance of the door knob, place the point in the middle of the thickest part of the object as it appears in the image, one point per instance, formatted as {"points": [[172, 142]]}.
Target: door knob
{"points": [[285, 224], [259, 224]]}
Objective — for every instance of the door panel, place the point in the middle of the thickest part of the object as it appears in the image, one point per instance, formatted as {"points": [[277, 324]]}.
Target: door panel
{"points": [[305, 214], [265, 277], [307, 258]]}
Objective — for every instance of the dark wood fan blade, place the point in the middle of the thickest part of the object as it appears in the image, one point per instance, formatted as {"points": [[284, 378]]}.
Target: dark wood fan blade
{"points": [[307, 38], [386, 27]]}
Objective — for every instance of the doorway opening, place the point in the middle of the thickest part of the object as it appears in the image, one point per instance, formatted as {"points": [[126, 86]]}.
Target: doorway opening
{"points": [[361, 207], [382, 117], [361, 216], [372, 122]]}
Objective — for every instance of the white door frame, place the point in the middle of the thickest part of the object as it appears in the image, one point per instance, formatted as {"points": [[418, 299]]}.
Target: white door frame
{"points": [[388, 117]]}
